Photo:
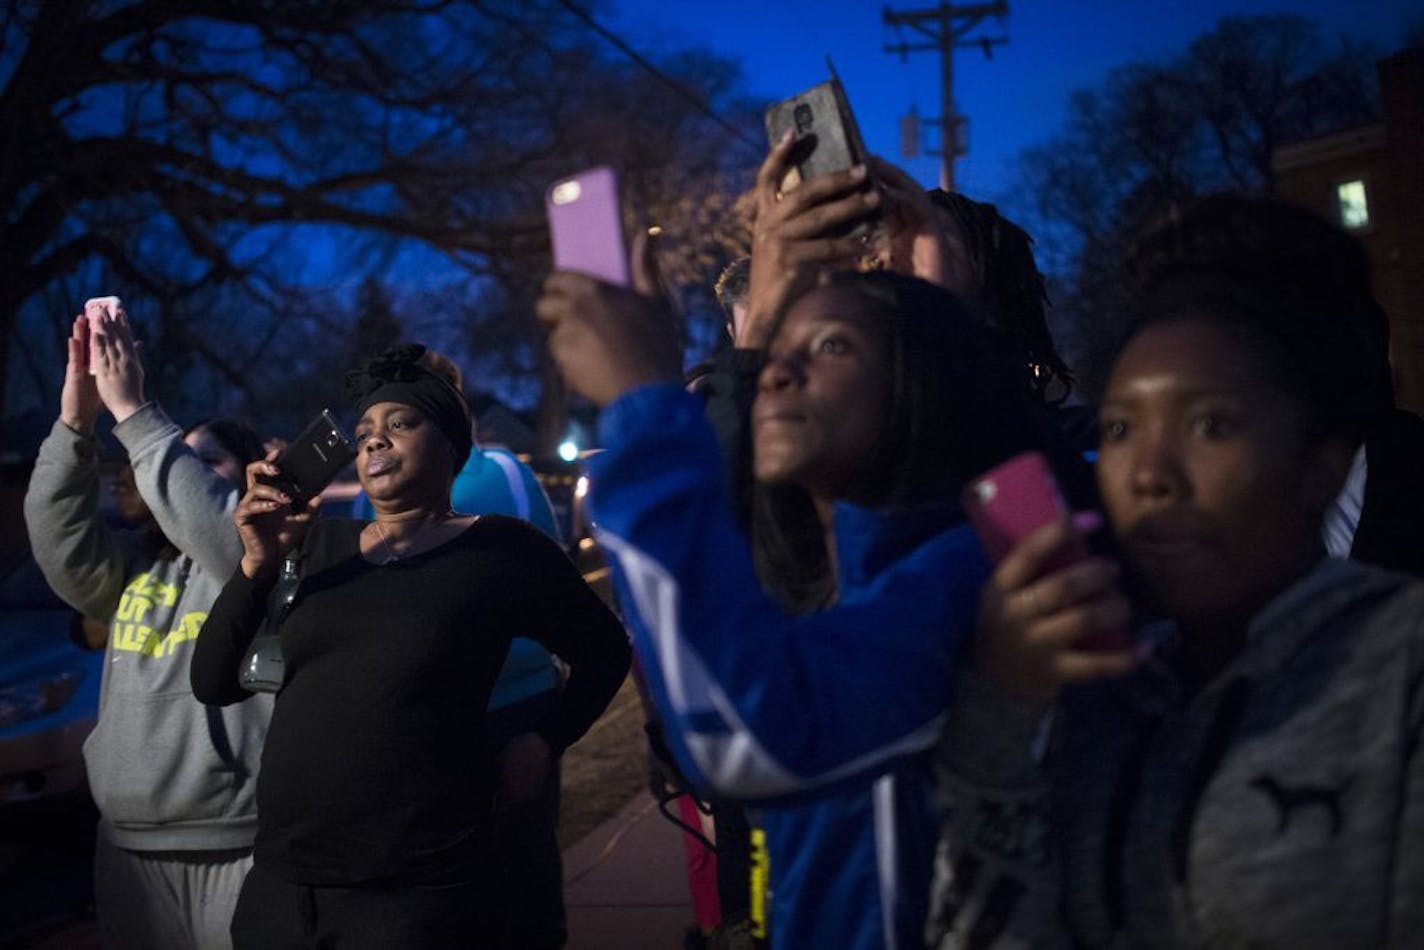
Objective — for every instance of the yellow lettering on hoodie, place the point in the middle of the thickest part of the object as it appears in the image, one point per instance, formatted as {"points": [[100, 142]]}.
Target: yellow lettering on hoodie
{"points": [[137, 638]]}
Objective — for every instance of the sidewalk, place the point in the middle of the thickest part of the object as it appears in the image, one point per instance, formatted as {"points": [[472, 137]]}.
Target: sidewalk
{"points": [[625, 885]]}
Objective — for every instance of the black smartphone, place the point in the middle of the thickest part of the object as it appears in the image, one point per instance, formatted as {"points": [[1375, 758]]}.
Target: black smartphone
{"points": [[827, 136], [312, 459]]}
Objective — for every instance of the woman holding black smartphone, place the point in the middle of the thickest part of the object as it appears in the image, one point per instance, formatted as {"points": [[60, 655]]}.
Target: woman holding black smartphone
{"points": [[377, 783]]}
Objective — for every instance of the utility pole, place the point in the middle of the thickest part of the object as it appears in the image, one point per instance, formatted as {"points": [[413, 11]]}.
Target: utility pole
{"points": [[945, 27]]}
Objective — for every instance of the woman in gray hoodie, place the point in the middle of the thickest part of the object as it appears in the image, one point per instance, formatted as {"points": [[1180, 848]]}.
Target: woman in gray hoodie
{"points": [[1252, 775], [174, 780]]}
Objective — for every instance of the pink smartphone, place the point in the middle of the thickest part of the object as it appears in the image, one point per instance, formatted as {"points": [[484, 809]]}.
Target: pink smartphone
{"points": [[586, 225], [95, 309], [1013, 500]]}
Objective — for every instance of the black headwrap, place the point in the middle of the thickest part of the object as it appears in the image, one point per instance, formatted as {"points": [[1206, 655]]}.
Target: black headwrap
{"points": [[398, 375]]}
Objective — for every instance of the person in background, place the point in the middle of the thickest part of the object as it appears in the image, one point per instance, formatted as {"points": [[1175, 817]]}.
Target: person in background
{"points": [[493, 481], [1251, 775], [174, 780], [226, 445], [881, 397], [379, 781]]}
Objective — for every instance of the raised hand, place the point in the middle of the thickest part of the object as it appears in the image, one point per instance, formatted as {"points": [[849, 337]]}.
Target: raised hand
{"points": [[797, 234], [266, 523], [607, 339], [79, 402], [118, 370], [1036, 630], [912, 240]]}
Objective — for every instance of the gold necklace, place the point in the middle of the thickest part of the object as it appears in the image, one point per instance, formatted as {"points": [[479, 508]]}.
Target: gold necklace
{"points": [[392, 556]]}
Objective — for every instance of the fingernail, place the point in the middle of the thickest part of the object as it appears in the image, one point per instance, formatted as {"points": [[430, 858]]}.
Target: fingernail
{"points": [[1087, 522], [857, 172], [786, 136]]}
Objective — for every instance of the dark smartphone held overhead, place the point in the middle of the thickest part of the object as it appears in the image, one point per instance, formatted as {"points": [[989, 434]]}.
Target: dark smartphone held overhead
{"points": [[827, 136], [313, 459]]}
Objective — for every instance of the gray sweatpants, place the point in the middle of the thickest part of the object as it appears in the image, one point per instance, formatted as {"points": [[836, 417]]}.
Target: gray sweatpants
{"points": [[166, 900]]}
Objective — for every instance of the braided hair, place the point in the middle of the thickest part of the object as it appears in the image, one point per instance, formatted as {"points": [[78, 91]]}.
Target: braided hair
{"points": [[1012, 294]]}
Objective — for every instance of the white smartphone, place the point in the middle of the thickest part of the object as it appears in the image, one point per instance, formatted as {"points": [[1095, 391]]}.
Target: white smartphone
{"points": [[586, 225]]}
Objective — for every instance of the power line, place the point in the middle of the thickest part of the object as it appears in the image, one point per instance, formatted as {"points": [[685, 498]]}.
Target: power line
{"points": [[658, 74]]}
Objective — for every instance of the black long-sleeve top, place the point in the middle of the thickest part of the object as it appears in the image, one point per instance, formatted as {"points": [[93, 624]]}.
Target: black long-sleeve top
{"points": [[376, 769]]}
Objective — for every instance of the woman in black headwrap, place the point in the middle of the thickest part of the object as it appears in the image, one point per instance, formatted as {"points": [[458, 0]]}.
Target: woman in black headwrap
{"points": [[377, 784]]}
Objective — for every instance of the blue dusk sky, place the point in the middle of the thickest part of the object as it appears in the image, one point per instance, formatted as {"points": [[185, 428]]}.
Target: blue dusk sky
{"points": [[1015, 99]]}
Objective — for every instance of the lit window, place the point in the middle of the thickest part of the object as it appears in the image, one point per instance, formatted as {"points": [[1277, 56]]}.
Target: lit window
{"points": [[1354, 204]]}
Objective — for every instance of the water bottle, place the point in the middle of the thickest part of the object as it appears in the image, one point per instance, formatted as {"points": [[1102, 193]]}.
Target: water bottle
{"points": [[263, 667]]}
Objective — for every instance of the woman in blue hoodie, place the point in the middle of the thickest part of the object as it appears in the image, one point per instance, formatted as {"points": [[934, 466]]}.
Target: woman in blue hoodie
{"points": [[881, 397]]}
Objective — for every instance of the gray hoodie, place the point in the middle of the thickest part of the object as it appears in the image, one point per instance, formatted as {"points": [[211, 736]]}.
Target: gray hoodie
{"points": [[1281, 806], [167, 772]]}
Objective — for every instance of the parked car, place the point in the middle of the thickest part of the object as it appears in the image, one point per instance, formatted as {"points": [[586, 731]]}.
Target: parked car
{"points": [[49, 690]]}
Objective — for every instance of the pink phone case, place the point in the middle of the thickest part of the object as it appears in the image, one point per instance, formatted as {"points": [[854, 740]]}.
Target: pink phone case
{"points": [[96, 308], [586, 225], [1011, 501]]}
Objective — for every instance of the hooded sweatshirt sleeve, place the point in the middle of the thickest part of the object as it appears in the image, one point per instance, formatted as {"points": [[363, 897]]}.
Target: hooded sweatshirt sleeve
{"points": [[81, 558], [192, 504], [759, 703], [996, 875], [1406, 908]]}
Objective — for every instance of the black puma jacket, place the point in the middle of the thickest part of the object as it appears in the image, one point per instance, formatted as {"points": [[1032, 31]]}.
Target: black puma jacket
{"points": [[1281, 806]]}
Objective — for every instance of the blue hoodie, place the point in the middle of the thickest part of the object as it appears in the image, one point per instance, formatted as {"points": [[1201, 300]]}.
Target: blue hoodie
{"points": [[825, 719]]}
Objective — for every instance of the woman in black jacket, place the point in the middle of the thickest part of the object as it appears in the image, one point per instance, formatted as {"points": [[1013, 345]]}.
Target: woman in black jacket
{"points": [[377, 783]]}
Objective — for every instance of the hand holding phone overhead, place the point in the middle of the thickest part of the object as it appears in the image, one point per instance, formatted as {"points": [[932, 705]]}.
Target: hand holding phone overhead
{"points": [[96, 310], [611, 333], [827, 139]]}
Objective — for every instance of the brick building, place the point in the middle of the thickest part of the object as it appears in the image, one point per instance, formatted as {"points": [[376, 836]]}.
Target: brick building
{"points": [[1370, 179]]}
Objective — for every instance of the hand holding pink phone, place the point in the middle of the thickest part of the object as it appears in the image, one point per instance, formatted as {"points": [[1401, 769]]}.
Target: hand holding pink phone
{"points": [[1013, 500]]}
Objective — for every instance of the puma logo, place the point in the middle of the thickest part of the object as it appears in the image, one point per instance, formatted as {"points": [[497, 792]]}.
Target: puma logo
{"points": [[1288, 800]]}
